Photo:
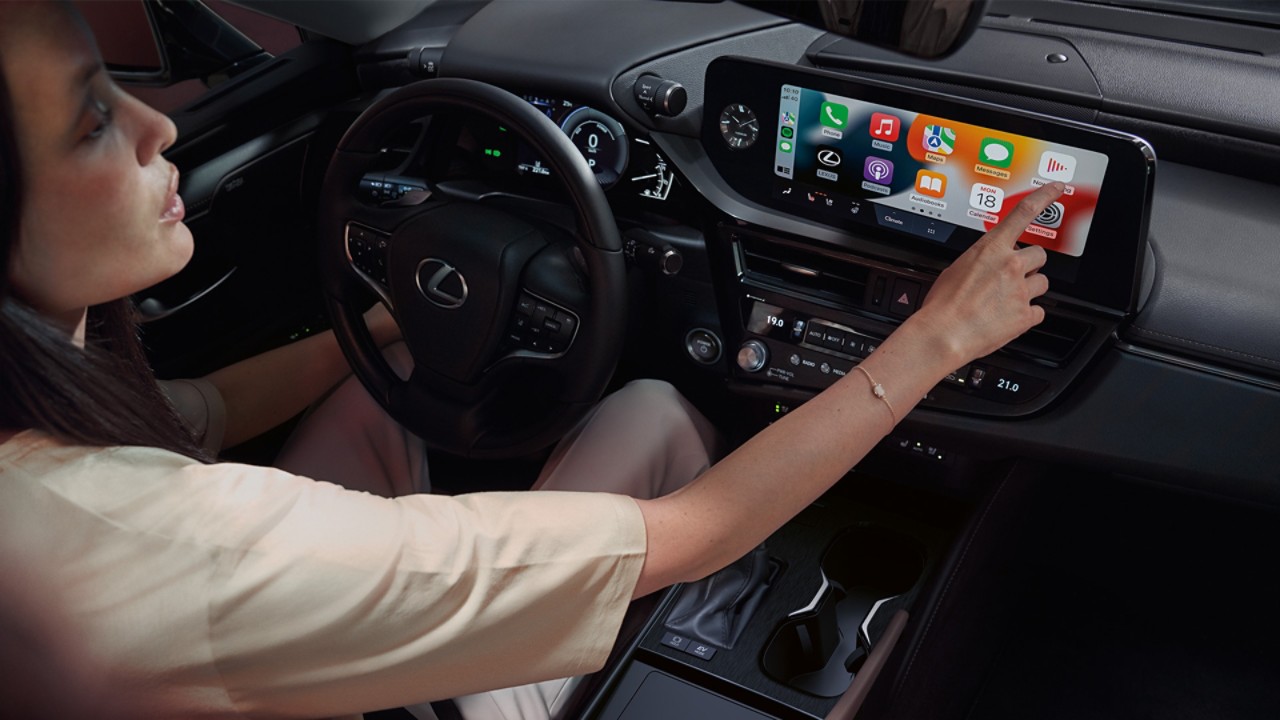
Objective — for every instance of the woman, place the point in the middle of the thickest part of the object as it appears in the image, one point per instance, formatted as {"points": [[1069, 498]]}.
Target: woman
{"points": [[223, 589]]}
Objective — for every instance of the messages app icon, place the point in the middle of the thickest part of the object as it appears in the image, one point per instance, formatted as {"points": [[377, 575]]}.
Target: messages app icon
{"points": [[995, 153], [834, 115]]}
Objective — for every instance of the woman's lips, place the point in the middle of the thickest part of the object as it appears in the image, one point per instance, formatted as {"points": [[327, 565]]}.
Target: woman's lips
{"points": [[174, 210]]}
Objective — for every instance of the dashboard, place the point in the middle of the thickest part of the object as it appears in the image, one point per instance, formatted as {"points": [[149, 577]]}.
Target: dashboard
{"points": [[784, 287]]}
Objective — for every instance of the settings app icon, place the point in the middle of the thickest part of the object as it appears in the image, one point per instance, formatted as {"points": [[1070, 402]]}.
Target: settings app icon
{"points": [[1050, 217]]}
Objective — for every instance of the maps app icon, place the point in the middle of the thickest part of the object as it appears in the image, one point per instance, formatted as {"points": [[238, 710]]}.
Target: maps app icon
{"points": [[939, 139]]}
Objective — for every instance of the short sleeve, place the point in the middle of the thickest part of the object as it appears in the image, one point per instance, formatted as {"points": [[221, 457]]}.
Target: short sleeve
{"points": [[201, 406]]}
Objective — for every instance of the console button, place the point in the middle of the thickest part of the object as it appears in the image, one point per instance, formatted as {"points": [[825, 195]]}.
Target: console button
{"points": [[703, 346], [753, 356], [833, 339], [905, 297], [959, 377], [977, 377], [700, 650], [673, 640], [815, 334]]}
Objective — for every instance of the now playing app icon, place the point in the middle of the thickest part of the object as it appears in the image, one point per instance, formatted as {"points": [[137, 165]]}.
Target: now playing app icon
{"points": [[1057, 166]]}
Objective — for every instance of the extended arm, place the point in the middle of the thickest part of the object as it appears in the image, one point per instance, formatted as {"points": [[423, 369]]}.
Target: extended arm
{"points": [[265, 390], [977, 305]]}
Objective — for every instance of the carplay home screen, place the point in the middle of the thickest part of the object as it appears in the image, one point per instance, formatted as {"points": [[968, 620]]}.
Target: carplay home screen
{"points": [[931, 169]]}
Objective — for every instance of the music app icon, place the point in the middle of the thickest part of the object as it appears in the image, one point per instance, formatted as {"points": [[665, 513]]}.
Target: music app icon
{"points": [[885, 127]]}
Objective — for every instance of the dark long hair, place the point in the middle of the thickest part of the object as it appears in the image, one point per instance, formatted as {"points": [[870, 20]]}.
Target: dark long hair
{"points": [[102, 395]]}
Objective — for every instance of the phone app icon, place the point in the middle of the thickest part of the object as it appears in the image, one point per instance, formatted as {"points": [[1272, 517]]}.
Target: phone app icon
{"points": [[786, 146], [834, 115], [788, 132], [931, 183], [939, 139], [995, 152], [1050, 217], [878, 170], [1057, 166], [884, 127], [985, 197]]}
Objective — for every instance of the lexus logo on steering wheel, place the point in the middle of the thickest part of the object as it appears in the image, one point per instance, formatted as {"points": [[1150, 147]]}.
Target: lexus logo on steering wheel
{"points": [[441, 283]]}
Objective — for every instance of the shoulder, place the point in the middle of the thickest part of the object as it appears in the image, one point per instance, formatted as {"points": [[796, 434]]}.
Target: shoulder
{"points": [[135, 489]]}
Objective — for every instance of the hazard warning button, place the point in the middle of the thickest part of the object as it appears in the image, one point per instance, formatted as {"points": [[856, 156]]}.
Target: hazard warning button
{"points": [[905, 297]]}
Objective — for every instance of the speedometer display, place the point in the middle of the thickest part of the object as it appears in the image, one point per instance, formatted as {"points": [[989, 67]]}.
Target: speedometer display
{"points": [[601, 140], [626, 166]]}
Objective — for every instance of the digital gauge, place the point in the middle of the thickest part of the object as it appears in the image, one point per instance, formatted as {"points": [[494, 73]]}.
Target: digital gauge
{"points": [[601, 140]]}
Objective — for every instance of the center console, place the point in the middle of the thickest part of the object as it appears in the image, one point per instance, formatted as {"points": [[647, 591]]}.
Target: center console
{"points": [[840, 201], [785, 631]]}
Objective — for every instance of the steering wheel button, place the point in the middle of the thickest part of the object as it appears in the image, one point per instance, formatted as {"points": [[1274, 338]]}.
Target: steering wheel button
{"points": [[551, 325], [524, 305]]}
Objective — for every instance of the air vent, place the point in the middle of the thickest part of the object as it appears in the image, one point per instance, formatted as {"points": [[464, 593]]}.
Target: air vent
{"points": [[1052, 342], [808, 272]]}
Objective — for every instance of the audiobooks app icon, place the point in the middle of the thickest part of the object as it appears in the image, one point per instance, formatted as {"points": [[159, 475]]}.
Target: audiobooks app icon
{"points": [[1057, 166], [931, 184]]}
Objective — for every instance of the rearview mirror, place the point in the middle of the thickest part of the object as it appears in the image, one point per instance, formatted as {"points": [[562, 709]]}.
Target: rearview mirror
{"points": [[924, 28]]}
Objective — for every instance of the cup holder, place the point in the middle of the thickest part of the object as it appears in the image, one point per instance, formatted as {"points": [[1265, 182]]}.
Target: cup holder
{"points": [[819, 647]]}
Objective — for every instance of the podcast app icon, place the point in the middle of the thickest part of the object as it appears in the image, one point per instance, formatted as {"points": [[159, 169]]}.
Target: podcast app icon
{"points": [[878, 170], [884, 127]]}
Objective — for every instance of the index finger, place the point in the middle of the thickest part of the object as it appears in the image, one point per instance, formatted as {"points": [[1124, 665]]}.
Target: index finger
{"points": [[1013, 225]]}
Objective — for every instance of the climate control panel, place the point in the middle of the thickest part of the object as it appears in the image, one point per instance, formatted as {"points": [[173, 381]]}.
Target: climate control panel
{"points": [[798, 348]]}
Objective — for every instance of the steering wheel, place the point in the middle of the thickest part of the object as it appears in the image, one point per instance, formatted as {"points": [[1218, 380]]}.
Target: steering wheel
{"points": [[513, 332]]}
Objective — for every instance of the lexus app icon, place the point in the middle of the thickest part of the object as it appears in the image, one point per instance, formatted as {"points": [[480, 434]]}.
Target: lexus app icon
{"points": [[830, 157]]}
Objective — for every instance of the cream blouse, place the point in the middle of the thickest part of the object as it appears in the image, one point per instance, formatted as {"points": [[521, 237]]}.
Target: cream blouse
{"points": [[227, 590]]}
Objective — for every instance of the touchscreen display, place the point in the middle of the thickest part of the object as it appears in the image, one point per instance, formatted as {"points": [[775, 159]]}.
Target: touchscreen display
{"points": [[924, 175]]}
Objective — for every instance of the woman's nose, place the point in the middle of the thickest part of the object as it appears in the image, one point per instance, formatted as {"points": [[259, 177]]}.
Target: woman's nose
{"points": [[157, 134]]}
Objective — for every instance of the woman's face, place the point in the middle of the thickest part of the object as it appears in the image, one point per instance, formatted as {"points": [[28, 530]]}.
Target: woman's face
{"points": [[101, 217]]}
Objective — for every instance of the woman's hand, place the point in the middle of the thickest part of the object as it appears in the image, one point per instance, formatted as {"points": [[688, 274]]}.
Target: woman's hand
{"points": [[382, 326], [983, 300]]}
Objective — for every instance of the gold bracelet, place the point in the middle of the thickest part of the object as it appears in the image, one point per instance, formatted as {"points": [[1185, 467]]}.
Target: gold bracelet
{"points": [[878, 390]]}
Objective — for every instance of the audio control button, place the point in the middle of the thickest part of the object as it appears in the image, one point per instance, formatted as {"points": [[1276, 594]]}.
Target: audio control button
{"points": [[753, 356]]}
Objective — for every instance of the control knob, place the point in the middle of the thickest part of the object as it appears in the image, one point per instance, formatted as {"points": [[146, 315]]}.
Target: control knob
{"points": [[660, 97], [753, 356]]}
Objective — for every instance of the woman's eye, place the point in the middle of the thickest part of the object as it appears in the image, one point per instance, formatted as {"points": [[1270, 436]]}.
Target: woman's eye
{"points": [[102, 118]]}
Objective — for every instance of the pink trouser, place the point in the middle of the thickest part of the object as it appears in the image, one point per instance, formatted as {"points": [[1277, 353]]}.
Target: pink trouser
{"points": [[645, 440]]}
